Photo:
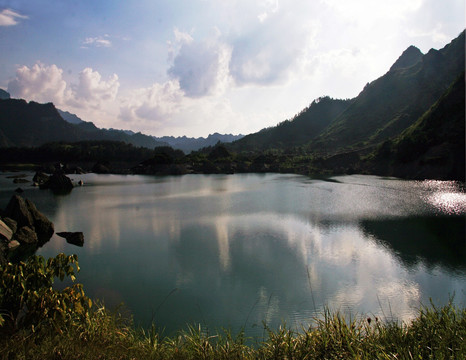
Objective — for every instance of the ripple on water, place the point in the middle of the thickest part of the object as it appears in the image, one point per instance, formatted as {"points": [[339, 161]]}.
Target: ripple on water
{"points": [[447, 197]]}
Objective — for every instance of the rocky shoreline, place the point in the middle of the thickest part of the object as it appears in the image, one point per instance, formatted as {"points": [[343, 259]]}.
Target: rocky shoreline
{"points": [[23, 229]]}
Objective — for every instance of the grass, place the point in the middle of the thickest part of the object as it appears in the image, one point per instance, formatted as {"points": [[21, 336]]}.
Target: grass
{"points": [[39, 322], [436, 333]]}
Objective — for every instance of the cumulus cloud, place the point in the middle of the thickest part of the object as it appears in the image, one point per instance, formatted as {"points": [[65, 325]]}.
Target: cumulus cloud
{"points": [[92, 89], [44, 83], [201, 67], [100, 41], [156, 103], [40, 83], [9, 17]]}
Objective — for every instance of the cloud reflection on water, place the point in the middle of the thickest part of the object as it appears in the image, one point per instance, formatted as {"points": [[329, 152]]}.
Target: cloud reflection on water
{"points": [[265, 245]]}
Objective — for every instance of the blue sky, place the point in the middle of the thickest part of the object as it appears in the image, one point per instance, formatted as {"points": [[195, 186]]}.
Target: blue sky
{"points": [[194, 67]]}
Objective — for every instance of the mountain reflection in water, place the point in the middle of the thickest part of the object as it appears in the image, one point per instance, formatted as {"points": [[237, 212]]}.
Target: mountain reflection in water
{"points": [[240, 250]]}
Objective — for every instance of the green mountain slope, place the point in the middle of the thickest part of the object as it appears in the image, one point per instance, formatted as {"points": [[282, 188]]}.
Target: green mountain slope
{"points": [[384, 109], [393, 102], [304, 127], [434, 146]]}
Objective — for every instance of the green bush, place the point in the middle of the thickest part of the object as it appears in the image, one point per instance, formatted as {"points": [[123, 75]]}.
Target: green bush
{"points": [[28, 299]]}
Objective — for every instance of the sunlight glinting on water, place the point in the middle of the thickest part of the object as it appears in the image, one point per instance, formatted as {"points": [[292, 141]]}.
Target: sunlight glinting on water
{"points": [[446, 196], [267, 248]]}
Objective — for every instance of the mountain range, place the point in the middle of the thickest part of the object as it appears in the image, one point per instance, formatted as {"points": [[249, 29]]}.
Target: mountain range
{"points": [[32, 124]]}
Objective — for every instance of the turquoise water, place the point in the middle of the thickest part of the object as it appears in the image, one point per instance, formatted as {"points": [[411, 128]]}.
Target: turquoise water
{"points": [[246, 250]]}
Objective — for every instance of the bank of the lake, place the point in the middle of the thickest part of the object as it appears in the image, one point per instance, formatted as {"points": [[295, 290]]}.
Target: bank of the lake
{"points": [[435, 333], [39, 322]]}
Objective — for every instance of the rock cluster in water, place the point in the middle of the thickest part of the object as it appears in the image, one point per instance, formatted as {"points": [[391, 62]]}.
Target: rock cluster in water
{"points": [[22, 225]]}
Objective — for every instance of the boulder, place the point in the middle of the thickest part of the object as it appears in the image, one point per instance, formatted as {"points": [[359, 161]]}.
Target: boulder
{"points": [[43, 226], [58, 183], [40, 177], [5, 231], [20, 213], [13, 244], [26, 235], [75, 238], [20, 181], [19, 190], [18, 210], [12, 224], [100, 168]]}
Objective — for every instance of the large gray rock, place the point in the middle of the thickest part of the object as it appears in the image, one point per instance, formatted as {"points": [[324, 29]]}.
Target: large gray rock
{"points": [[75, 238], [26, 235], [43, 226], [21, 213], [40, 177], [18, 210], [13, 244], [12, 224], [58, 183], [5, 231]]}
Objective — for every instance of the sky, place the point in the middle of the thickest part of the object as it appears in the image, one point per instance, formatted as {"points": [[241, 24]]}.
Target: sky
{"points": [[195, 67]]}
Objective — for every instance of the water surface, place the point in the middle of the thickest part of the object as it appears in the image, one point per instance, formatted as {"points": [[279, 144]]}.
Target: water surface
{"points": [[251, 249]]}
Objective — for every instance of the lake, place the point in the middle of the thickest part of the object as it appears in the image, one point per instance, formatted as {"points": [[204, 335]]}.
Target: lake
{"points": [[246, 250]]}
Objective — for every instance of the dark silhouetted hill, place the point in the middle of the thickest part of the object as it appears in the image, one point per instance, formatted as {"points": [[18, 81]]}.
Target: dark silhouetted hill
{"points": [[24, 124], [434, 146], [187, 144], [4, 95], [304, 127], [31, 124]]}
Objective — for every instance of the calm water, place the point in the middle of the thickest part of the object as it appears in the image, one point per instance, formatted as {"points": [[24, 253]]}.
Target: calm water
{"points": [[241, 250]]}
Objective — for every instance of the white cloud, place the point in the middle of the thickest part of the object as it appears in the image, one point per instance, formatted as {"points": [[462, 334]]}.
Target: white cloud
{"points": [[9, 17], [92, 89], [367, 11], [201, 67], [100, 41], [267, 50], [39, 83], [271, 7], [154, 104], [44, 83]]}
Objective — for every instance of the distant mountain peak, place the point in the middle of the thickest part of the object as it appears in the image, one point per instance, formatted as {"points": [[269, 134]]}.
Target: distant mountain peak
{"points": [[4, 95], [408, 58], [69, 117]]}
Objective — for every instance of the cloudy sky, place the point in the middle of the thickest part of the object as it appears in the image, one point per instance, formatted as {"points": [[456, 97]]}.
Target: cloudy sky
{"points": [[194, 67]]}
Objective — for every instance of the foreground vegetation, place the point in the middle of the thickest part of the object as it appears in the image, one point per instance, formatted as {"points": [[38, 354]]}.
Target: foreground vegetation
{"points": [[38, 322]]}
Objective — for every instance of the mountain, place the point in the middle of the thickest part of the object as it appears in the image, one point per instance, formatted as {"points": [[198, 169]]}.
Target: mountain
{"points": [[24, 124], [304, 127], [4, 95], [383, 109], [393, 102], [411, 56], [187, 144], [32, 124], [69, 117], [434, 146]]}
